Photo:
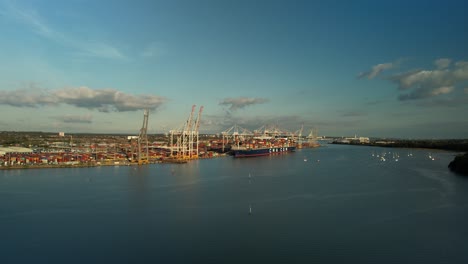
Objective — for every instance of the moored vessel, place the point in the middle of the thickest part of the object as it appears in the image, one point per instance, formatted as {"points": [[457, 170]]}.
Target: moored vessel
{"points": [[242, 152]]}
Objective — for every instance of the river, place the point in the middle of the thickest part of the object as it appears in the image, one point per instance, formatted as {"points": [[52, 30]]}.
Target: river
{"points": [[333, 204]]}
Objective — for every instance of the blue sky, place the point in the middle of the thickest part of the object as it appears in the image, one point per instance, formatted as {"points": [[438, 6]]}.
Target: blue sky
{"points": [[371, 68]]}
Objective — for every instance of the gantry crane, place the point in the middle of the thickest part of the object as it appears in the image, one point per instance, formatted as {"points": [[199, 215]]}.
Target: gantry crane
{"points": [[143, 154], [237, 133], [297, 137], [196, 131], [185, 139], [140, 150]]}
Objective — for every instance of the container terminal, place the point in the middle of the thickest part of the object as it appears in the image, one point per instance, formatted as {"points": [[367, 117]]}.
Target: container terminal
{"points": [[43, 149]]}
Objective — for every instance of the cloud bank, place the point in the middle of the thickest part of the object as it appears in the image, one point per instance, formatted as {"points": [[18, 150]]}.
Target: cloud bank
{"points": [[26, 98], [103, 100], [241, 102], [421, 83]]}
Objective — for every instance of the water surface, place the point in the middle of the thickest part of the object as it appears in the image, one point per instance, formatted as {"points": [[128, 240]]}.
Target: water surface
{"points": [[333, 204]]}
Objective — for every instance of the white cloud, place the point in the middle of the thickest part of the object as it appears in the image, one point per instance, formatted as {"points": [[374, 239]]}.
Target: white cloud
{"points": [[426, 83], [422, 83], [424, 92], [460, 73], [104, 100], [424, 78], [31, 96], [442, 90], [376, 70], [442, 63], [107, 100], [241, 102]]}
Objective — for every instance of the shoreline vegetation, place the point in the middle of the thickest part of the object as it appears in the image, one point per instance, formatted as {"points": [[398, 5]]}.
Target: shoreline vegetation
{"points": [[460, 164], [460, 145]]}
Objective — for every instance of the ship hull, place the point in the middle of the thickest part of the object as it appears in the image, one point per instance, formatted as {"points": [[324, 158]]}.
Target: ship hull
{"points": [[244, 153]]}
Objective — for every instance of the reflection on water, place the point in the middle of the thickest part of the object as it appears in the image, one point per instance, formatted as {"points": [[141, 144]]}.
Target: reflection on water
{"points": [[333, 204]]}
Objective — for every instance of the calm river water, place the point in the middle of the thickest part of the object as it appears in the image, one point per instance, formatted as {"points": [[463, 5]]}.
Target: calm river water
{"points": [[334, 204]]}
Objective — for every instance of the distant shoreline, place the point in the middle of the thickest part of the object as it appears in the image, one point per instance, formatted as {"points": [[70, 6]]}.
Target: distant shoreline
{"points": [[451, 145]]}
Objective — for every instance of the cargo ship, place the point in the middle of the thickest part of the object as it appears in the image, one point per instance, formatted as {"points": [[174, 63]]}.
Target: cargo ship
{"points": [[243, 152]]}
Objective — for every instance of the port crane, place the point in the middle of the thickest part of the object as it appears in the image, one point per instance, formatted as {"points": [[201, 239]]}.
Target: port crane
{"points": [[271, 131], [143, 155], [236, 133], [184, 141], [187, 136], [297, 137], [196, 131], [312, 137], [140, 149]]}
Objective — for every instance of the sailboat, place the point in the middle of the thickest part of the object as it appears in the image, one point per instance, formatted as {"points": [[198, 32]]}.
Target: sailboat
{"points": [[250, 209], [430, 156]]}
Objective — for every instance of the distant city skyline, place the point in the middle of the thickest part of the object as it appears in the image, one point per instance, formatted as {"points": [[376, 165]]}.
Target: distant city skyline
{"points": [[367, 68]]}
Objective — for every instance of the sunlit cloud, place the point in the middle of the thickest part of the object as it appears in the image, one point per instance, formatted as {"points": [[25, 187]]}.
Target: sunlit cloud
{"points": [[430, 83], [422, 83], [107, 100], [424, 78], [241, 102], [27, 97], [376, 70], [442, 63], [37, 24], [103, 100], [421, 93]]}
